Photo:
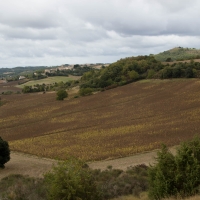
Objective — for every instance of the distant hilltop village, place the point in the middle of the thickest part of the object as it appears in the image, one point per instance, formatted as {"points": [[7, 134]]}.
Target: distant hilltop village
{"points": [[71, 67], [38, 72]]}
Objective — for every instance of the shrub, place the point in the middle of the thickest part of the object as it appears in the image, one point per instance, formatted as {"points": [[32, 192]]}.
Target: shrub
{"points": [[7, 92], [85, 91], [17, 187], [150, 74], [114, 182], [71, 180], [61, 94], [4, 152]]}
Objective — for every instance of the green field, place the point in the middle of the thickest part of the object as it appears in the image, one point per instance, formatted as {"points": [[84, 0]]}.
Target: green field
{"points": [[49, 80]]}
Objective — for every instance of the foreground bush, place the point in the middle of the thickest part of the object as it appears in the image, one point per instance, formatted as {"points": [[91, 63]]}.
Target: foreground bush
{"points": [[177, 175], [18, 187], [71, 180], [115, 183]]}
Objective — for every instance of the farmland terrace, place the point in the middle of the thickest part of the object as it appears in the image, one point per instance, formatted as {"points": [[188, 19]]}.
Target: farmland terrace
{"points": [[115, 123]]}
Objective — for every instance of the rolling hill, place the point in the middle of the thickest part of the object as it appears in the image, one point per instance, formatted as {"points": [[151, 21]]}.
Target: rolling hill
{"points": [[115, 123], [177, 54]]}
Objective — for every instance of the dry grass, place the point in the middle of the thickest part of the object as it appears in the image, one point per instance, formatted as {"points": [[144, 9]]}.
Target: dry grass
{"points": [[144, 196], [189, 198], [116, 123]]}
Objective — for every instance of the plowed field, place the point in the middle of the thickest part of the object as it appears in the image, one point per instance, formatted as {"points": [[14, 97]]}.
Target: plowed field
{"points": [[116, 123]]}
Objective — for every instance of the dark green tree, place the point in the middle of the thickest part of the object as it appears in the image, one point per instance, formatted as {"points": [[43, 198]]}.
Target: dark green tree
{"points": [[61, 94], [177, 175], [161, 175], [27, 89], [188, 72], [167, 72], [4, 152], [168, 60], [187, 171], [176, 72]]}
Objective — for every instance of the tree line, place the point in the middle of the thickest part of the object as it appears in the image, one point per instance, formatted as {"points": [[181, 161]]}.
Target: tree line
{"points": [[49, 87], [123, 72], [131, 69]]}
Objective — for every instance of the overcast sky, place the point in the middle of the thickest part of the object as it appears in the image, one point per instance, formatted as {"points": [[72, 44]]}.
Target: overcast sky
{"points": [[55, 32]]}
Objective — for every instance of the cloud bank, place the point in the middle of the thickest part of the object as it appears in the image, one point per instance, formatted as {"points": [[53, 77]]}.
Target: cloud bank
{"points": [[54, 32]]}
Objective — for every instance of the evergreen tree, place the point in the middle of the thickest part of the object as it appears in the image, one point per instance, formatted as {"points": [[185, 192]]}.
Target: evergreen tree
{"points": [[4, 152], [177, 175]]}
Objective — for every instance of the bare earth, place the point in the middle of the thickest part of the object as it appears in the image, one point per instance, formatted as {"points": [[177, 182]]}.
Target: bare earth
{"points": [[35, 167]]}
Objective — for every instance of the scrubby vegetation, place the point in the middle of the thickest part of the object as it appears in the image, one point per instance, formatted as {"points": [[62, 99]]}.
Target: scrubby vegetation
{"points": [[114, 182], [17, 187], [178, 54], [73, 180]]}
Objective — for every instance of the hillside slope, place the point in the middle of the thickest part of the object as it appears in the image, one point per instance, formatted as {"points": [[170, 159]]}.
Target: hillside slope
{"points": [[123, 121], [178, 53]]}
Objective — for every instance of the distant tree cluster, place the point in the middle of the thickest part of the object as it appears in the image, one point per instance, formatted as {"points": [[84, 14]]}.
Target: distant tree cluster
{"points": [[49, 87], [178, 54], [121, 72], [76, 71], [181, 70], [35, 88], [132, 69]]}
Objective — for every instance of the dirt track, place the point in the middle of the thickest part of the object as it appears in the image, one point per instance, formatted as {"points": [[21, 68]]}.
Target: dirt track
{"points": [[35, 167]]}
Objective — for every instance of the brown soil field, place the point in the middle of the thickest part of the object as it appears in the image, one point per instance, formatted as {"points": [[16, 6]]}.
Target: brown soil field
{"points": [[112, 124], [10, 86]]}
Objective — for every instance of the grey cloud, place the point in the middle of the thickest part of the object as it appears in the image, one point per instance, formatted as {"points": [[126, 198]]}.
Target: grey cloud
{"points": [[28, 33], [64, 31], [35, 14], [141, 17]]}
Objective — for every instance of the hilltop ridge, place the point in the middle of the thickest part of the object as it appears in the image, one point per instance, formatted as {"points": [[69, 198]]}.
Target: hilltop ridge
{"points": [[177, 54]]}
